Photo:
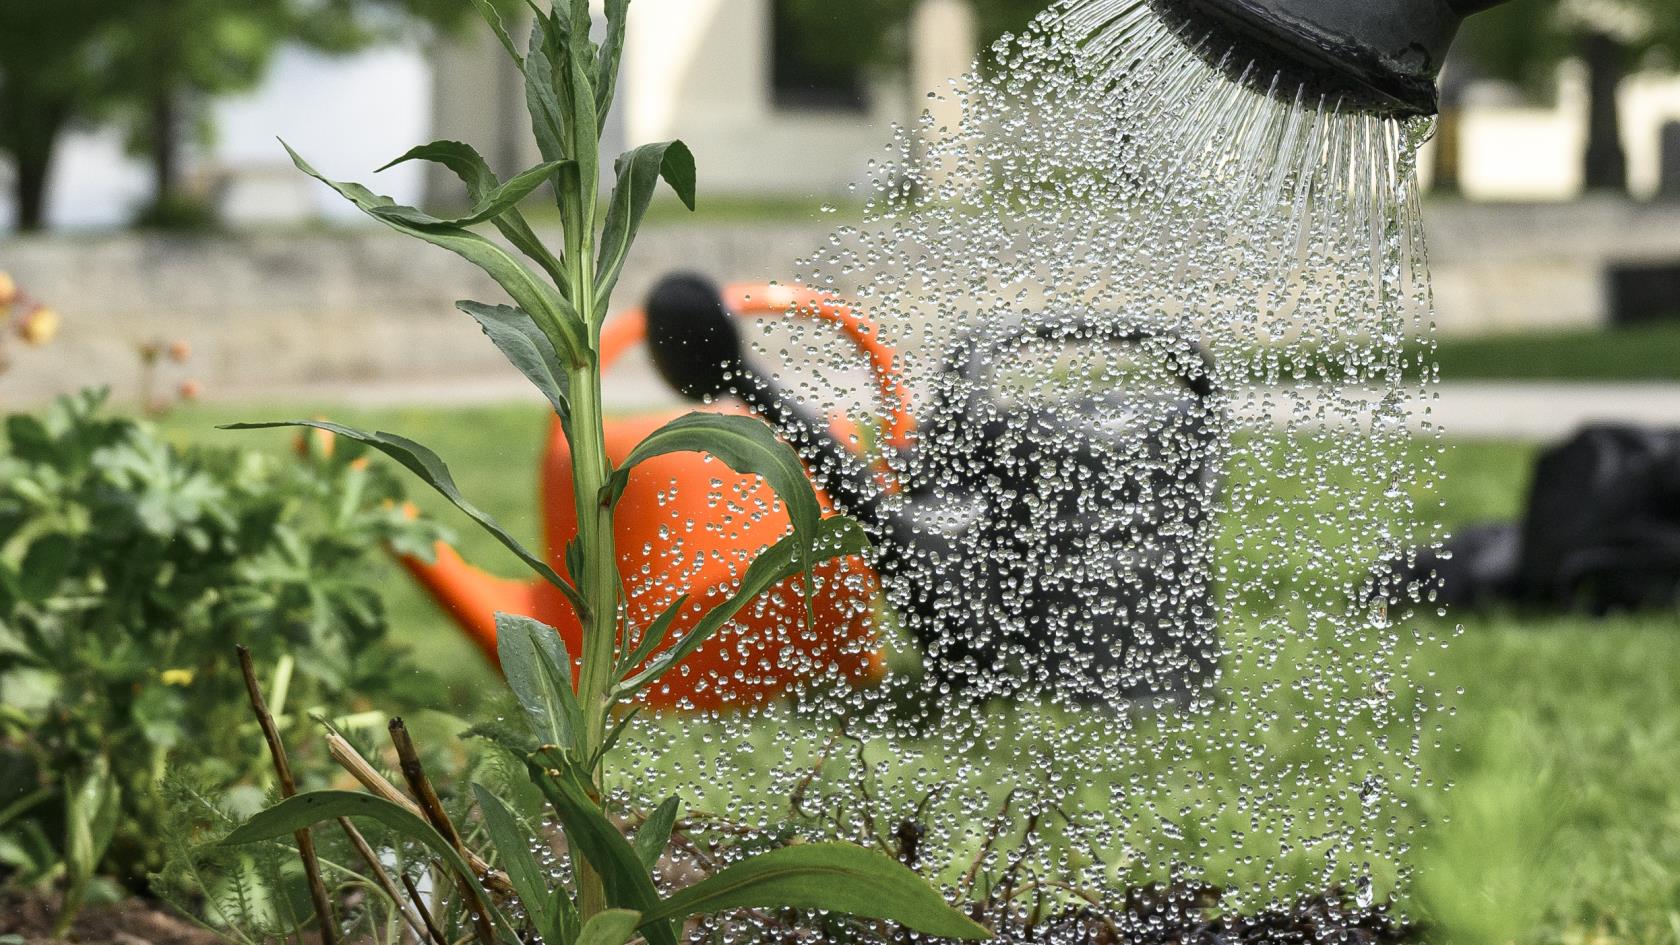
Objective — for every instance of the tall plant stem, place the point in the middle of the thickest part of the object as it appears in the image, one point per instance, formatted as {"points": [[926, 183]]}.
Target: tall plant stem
{"points": [[591, 468]]}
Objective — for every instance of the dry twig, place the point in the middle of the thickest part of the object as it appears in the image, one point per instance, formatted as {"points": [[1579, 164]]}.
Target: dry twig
{"points": [[368, 777], [435, 933], [288, 788], [421, 786]]}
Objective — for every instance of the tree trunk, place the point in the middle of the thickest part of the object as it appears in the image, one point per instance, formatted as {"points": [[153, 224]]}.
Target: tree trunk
{"points": [[166, 147], [32, 126], [1605, 162]]}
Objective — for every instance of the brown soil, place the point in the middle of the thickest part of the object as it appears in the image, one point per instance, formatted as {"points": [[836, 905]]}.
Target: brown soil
{"points": [[131, 922]]}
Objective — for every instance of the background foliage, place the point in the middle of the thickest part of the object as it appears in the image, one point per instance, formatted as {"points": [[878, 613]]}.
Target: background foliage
{"points": [[128, 571], [152, 66]]}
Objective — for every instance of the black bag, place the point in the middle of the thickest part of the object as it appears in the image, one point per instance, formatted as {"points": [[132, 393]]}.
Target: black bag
{"points": [[1601, 532]]}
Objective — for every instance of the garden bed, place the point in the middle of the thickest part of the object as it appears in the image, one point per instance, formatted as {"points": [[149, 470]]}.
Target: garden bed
{"points": [[29, 920]]}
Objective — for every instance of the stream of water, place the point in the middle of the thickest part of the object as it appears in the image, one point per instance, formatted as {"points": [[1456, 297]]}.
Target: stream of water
{"points": [[1141, 628]]}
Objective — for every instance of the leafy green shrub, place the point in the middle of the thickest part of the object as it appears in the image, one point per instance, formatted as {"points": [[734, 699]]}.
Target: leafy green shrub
{"points": [[128, 569]]}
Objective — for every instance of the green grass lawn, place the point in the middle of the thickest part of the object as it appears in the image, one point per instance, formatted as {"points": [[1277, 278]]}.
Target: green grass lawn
{"points": [[1639, 353], [1564, 747]]}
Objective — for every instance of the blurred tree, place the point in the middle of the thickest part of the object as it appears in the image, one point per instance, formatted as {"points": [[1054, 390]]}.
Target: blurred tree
{"points": [[49, 57], [1523, 41], [154, 65]]}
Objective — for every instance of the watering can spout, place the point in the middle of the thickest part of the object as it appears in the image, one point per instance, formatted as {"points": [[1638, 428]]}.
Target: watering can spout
{"points": [[1376, 55], [471, 596]]}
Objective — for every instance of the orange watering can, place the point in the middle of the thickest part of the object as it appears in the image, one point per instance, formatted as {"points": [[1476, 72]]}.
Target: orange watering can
{"points": [[690, 525]]}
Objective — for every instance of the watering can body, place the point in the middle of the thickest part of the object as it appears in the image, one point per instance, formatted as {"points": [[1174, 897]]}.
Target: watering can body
{"points": [[686, 525]]}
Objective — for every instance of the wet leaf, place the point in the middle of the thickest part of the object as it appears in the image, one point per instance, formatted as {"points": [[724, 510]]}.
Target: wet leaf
{"points": [[837, 877], [539, 670]]}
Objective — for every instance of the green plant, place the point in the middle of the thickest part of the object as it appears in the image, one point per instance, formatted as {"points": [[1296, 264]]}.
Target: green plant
{"points": [[552, 337], [125, 565]]}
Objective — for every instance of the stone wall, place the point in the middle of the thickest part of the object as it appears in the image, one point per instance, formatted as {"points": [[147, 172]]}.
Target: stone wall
{"points": [[1516, 267], [293, 314], [321, 311]]}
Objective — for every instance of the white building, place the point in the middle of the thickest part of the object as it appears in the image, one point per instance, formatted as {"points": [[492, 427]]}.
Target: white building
{"points": [[761, 119]]}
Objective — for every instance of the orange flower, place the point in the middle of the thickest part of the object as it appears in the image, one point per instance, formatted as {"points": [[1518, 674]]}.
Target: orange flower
{"points": [[39, 327], [180, 352], [8, 289], [190, 390]]}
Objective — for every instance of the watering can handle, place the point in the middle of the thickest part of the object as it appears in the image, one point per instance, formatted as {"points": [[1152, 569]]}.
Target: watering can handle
{"points": [[630, 329], [1190, 362]]}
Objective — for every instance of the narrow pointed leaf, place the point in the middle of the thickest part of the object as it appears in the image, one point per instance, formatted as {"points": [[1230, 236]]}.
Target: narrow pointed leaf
{"points": [[835, 877], [745, 444], [612, 927], [524, 286], [517, 336], [467, 164], [486, 207], [653, 636], [541, 99], [608, 743], [539, 671], [305, 810], [431, 469], [639, 173], [655, 835], [627, 883], [488, 12], [608, 59], [838, 537], [513, 849], [748, 446], [585, 125]]}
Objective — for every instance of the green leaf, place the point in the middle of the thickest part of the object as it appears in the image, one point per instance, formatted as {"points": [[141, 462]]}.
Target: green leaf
{"points": [[488, 12], [539, 670], [29, 439], [653, 636], [611, 741], [475, 172], [639, 172], [608, 59], [838, 537], [541, 99], [612, 927], [561, 323], [584, 122], [306, 810], [90, 820], [517, 336], [425, 464], [746, 445], [487, 207], [655, 835], [835, 877], [45, 566], [627, 883], [530, 880]]}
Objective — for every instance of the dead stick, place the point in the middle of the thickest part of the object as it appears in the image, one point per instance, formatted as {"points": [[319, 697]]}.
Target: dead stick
{"points": [[425, 914], [352, 761], [421, 786], [380, 876], [288, 788]]}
